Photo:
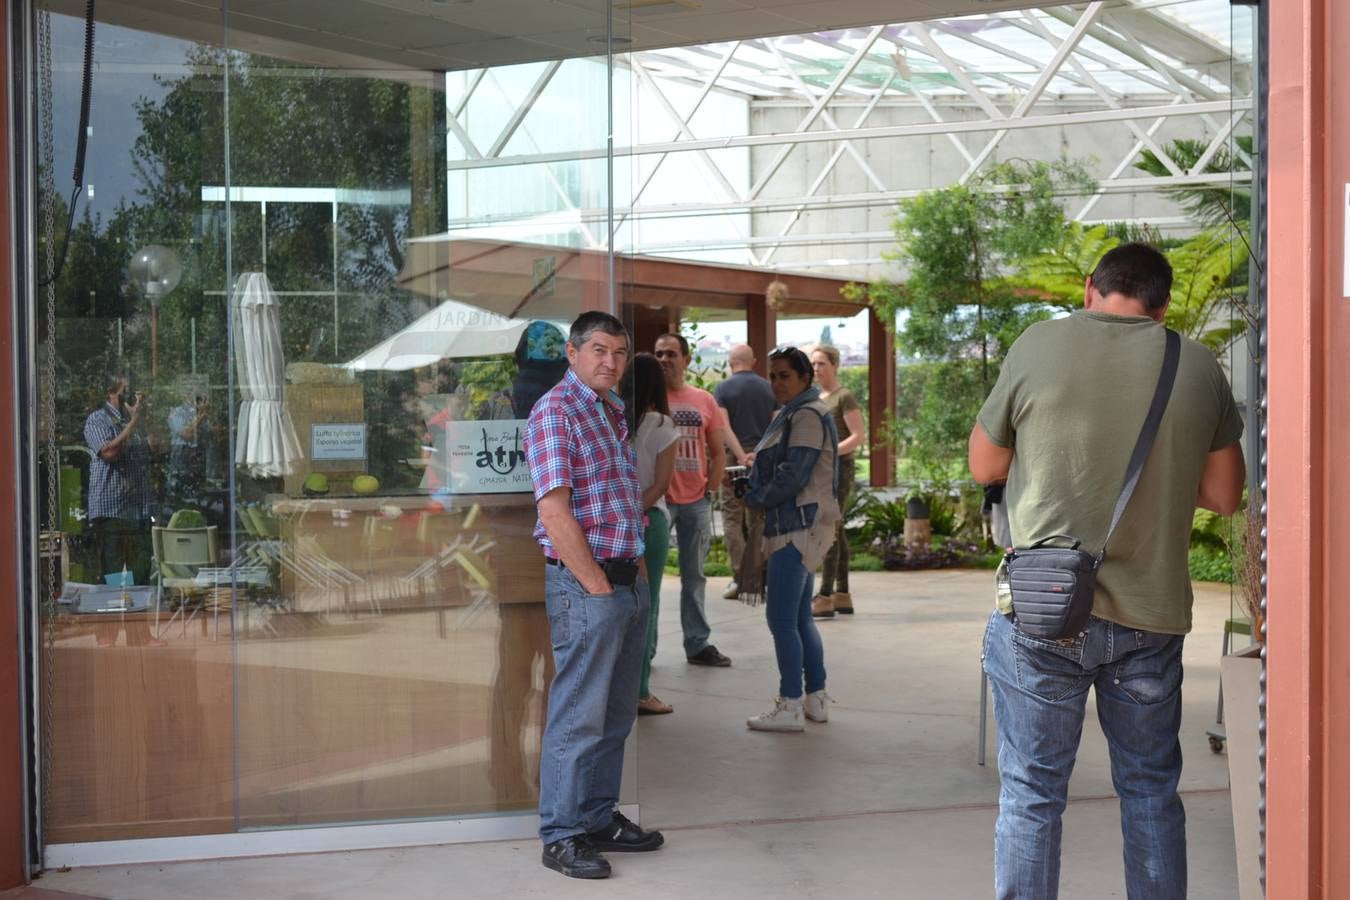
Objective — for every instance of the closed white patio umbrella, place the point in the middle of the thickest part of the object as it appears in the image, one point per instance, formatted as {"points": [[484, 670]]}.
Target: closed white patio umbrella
{"points": [[449, 331], [266, 442]]}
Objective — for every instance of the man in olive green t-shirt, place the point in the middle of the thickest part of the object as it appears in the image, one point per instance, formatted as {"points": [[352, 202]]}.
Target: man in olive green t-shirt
{"points": [[1059, 427]]}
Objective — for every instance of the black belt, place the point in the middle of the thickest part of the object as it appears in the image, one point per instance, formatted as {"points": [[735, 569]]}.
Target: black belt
{"points": [[621, 571]]}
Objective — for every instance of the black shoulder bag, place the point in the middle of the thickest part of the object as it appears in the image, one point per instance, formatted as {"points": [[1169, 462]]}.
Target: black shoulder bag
{"points": [[1052, 587]]}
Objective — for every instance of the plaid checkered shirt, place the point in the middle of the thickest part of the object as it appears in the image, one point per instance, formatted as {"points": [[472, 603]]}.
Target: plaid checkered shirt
{"points": [[121, 488], [570, 442]]}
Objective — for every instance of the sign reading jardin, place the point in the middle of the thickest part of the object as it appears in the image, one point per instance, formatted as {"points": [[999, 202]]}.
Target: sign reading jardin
{"points": [[337, 440], [484, 457]]}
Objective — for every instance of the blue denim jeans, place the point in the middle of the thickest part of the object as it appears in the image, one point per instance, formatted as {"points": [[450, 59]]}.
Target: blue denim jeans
{"points": [[1040, 695], [598, 643], [693, 536], [796, 642]]}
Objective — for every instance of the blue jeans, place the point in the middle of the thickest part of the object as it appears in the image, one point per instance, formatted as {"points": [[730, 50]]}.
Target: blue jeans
{"points": [[598, 642], [1040, 694], [796, 642], [693, 536]]}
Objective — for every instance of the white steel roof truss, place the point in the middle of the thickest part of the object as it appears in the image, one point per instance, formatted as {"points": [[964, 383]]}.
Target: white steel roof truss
{"points": [[1111, 100], [1025, 104], [825, 171], [816, 108]]}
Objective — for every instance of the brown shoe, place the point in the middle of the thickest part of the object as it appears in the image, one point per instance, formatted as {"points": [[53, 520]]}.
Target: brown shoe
{"points": [[652, 706], [843, 603], [822, 607]]}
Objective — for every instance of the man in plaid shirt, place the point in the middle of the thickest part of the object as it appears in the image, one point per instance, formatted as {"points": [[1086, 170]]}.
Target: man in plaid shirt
{"points": [[590, 526], [119, 481]]}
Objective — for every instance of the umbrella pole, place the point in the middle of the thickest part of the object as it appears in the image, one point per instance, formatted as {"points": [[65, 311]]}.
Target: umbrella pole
{"points": [[154, 340]]}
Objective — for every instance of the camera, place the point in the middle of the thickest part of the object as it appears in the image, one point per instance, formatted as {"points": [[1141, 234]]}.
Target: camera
{"points": [[740, 479]]}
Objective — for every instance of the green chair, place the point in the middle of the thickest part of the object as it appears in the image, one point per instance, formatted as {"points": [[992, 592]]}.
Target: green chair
{"points": [[180, 553]]}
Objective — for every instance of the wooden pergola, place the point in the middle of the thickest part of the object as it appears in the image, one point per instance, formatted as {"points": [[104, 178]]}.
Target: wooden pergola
{"points": [[652, 295]]}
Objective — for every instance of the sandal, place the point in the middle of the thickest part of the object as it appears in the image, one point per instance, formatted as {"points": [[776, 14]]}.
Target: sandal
{"points": [[652, 706]]}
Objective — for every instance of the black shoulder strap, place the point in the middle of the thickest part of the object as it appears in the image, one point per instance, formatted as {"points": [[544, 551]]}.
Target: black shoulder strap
{"points": [[1171, 356]]}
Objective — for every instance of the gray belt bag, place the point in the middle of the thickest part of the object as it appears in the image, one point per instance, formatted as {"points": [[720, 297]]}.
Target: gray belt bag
{"points": [[1052, 586]]}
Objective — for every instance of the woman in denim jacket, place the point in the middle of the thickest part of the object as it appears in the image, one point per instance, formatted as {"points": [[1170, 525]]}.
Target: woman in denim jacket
{"points": [[792, 481]]}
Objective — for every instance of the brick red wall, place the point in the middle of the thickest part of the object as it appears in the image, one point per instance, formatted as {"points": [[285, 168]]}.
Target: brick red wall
{"points": [[11, 753]]}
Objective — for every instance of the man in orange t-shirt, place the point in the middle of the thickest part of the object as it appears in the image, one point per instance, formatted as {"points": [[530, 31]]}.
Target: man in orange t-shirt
{"points": [[700, 462]]}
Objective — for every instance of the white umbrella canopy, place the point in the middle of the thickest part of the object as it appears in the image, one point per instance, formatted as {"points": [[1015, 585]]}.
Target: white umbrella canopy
{"points": [[449, 331], [265, 439]]}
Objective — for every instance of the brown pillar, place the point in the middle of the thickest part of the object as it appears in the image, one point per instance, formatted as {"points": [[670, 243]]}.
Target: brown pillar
{"points": [[880, 397], [761, 330], [1308, 524], [11, 705], [594, 275]]}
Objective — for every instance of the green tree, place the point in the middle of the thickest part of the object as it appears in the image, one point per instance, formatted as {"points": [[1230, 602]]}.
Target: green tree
{"points": [[963, 306], [1210, 205], [1204, 286]]}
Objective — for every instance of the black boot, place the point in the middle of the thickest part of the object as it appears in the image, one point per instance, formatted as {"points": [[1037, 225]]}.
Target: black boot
{"points": [[575, 857]]}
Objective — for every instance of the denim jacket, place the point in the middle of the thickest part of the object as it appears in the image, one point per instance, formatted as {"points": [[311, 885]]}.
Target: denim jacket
{"points": [[781, 472]]}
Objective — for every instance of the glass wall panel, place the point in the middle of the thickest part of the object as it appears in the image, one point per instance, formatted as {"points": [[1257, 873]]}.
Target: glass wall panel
{"points": [[299, 584]]}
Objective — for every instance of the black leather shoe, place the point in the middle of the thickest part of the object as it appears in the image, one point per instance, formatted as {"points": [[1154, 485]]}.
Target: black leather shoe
{"points": [[622, 835], [575, 857], [709, 656]]}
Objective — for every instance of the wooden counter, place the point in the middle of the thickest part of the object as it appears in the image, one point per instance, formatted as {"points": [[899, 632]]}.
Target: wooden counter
{"points": [[389, 697]]}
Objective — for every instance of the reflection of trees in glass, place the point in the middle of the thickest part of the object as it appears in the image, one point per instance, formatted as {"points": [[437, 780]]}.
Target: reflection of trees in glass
{"points": [[288, 127]]}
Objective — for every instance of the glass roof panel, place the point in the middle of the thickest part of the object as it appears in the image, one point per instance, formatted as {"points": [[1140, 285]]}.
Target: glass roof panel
{"points": [[1001, 52]]}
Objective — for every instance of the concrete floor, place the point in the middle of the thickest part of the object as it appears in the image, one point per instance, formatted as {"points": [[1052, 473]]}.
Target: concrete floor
{"points": [[884, 801]]}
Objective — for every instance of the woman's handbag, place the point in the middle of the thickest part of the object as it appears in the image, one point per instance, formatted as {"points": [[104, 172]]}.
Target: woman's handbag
{"points": [[1052, 586]]}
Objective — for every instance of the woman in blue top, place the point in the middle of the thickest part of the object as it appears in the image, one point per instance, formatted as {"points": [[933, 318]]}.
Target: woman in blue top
{"points": [[792, 481]]}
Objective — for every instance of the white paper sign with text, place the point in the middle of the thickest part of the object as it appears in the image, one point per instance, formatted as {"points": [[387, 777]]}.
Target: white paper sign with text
{"points": [[337, 440], [482, 457]]}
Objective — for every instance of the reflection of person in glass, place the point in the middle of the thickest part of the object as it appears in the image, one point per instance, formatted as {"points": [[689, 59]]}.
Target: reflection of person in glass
{"points": [[119, 480], [523, 632], [189, 446]]}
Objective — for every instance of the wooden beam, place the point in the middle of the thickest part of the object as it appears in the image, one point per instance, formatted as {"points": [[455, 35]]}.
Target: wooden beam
{"points": [[880, 397], [761, 330]]}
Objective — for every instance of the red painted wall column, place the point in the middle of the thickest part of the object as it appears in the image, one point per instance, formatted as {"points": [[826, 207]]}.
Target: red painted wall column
{"points": [[11, 706], [1308, 737]]}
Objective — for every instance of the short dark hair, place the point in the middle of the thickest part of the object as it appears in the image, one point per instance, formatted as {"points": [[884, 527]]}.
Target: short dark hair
{"points": [[797, 360], [684, 342], [1136, 270], [113, 378], [588, 323]]}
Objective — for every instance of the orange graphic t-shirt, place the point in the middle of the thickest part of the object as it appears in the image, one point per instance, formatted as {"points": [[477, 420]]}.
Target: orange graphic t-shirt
{"points": [[696, 417]]}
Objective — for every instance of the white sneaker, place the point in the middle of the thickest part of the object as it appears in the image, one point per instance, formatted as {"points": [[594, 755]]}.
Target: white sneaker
{"points": [[786, 715], [816, 706], [732, 592]]}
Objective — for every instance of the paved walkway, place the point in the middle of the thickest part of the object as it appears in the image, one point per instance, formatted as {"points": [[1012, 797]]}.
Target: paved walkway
{"points": [[884, 801]]}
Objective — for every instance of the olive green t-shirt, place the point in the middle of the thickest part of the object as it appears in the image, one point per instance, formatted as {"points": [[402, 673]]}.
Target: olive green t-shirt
{"points": [[1071, 399], [841, 402]]}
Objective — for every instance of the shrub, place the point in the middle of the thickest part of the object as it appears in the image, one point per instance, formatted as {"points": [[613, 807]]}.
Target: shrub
{"points": [[884, 521], [1210, 565], [865, 562], [941, 553]]}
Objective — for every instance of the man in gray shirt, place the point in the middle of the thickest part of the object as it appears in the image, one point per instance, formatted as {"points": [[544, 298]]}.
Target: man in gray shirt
{"points": [[749, 404]]}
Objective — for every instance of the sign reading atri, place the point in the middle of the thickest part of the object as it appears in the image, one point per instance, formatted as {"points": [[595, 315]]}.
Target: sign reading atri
{"points": [[483, 457]]}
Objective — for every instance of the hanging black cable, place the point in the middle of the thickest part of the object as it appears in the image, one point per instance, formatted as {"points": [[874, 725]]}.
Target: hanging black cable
{"points": [[81, 142]]}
